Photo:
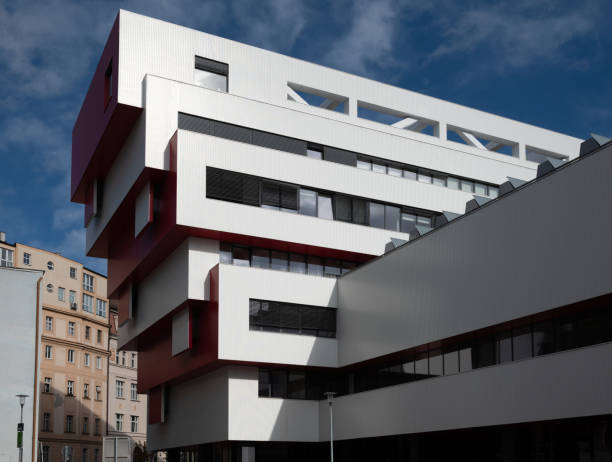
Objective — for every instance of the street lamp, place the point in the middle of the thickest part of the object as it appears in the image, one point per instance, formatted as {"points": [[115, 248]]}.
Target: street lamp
{"points": [[22, 400], [330, 399]]}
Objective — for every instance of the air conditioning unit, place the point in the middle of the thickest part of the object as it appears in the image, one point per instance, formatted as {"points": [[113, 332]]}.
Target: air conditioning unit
{"points": [[73, 306]]}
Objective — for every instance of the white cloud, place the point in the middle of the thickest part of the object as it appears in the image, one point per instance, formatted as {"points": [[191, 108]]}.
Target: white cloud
{"points": [[368, 44], [68, 216]]}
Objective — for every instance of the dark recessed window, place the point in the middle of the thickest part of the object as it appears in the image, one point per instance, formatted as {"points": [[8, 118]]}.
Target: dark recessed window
{"points": [[211, 74]]}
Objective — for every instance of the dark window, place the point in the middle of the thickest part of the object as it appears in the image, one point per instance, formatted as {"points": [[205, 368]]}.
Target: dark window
{"points": [[483, 353], [211, 74], [435, 362], [504, 347], [225, 253], [240, 256], [543, 338], [377, 215], [332, 267], [420, 364], [340, 156], [231, 186], [451, 360], [292, 318], [296, 386], [392, 218], [265, 386], [408, 222], [260, 258], [343, 208], [279, 261], [465, 358], [279, 383], [270, 195], [521, 343], [315, 266], [360, 211]]}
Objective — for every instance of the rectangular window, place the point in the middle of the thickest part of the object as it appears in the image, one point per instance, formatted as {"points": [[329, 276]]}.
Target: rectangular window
{"points": [[439, 180], [73, 272], [86, 390], [85, 452], [493, 192], [392, 218], [435, 362], [85, 431], [46, 454], [49, 323], [100, 307], [211, 74], [424, 177], [260, 258], [292, 318], [69, 424], [225, 253], [70, 388], [71, 328], [6, 257], [452, 183], [134, 424], [133, 361], [467, 186], [364, 164], [394, 171], [324, 207], [47, 385], [73, 303], [119, 422], [240, 256], [543, 338], [119, 388], [480, 189], [71, 356], [87, 332], [86, 359], [97, 430], [377, 215], [308, 202], [98, 395], [332, 267], [46, 422], [279, 261], [99, 336], [451, 361], [315, 266], [314, 153], [26, 258], [48, 352], [297, 263], [504, 347], [424, 221], [410, 175], [379, 168], [521, 343], [98, 362], [408, 222], [88, 282], [133, 392], [60, 294], [87, 303]]}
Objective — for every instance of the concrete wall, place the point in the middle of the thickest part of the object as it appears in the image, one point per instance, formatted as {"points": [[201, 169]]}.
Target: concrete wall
{"points": [[544, 246], [18, 347], [569, 384]]}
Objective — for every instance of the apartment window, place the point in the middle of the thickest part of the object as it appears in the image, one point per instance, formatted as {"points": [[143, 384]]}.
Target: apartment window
{"points": [[119, 388], [84, 452], [211, 74], [69, 424], [98, 394], [133, 361], [47, 385], [133, 392], [87, 332], [70, 388], [71, 356], [50, 265], [60, 294], [26, 258], [480, 189], [364, 164], [86, 359], [424, 177], [46, 427], [410, 175], [73, 272], [99, 336], [50, 288], [377, 215], [308, 202], [48, 352], [87, 303], [453, 183], [314, 153], [119, 422], [98, 362], [97, 429], [85, 430], [134, 424], [71, 328], [292, 318], [123, 358], [379, 168], [467, 186], [45, 454], [117, 357], [88, 282], [86, 390], [324, 207], [49, 323], [96, 455], [72, 298], [100, 307]]}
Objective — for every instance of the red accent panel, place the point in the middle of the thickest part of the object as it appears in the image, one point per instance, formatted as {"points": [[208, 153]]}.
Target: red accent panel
{"points": [[101, 127], [155, 405], [157, 366], [123, 303]]}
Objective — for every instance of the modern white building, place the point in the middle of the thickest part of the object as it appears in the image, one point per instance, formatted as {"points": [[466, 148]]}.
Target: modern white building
{"points": [[242, 199]]}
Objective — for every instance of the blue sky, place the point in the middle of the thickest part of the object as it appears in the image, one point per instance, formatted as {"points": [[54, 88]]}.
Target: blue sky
{"points": [[543, 62]]}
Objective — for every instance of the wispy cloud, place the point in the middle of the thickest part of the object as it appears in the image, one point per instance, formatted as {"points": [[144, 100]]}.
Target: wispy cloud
{"points": [[368, 43]]}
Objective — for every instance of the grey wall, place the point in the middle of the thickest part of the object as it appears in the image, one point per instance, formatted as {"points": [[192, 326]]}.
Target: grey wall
{"points": [[18, 308], [538, 248], [198, 413], [562, 385]]}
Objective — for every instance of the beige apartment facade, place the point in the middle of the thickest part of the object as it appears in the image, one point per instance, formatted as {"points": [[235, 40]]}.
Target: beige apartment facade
{"points": [[127, 409], [73, 354]]}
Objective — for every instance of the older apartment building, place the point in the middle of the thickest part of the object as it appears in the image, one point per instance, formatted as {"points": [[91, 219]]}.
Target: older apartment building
{"points": [[127, 409], [73, 353], [243, 200]]}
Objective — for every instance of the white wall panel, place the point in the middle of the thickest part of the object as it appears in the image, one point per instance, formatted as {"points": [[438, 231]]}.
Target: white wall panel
{"points": [[236, 342]]}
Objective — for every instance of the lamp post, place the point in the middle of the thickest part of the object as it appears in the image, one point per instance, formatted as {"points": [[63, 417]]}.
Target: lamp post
{"points": [[330, 399], [22, 399]]}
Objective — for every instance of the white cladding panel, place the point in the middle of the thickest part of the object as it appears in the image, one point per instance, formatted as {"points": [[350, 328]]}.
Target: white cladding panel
{"points": [[252, 418], [573, 383], [514, 257], [150, 46], [236, 342]]}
